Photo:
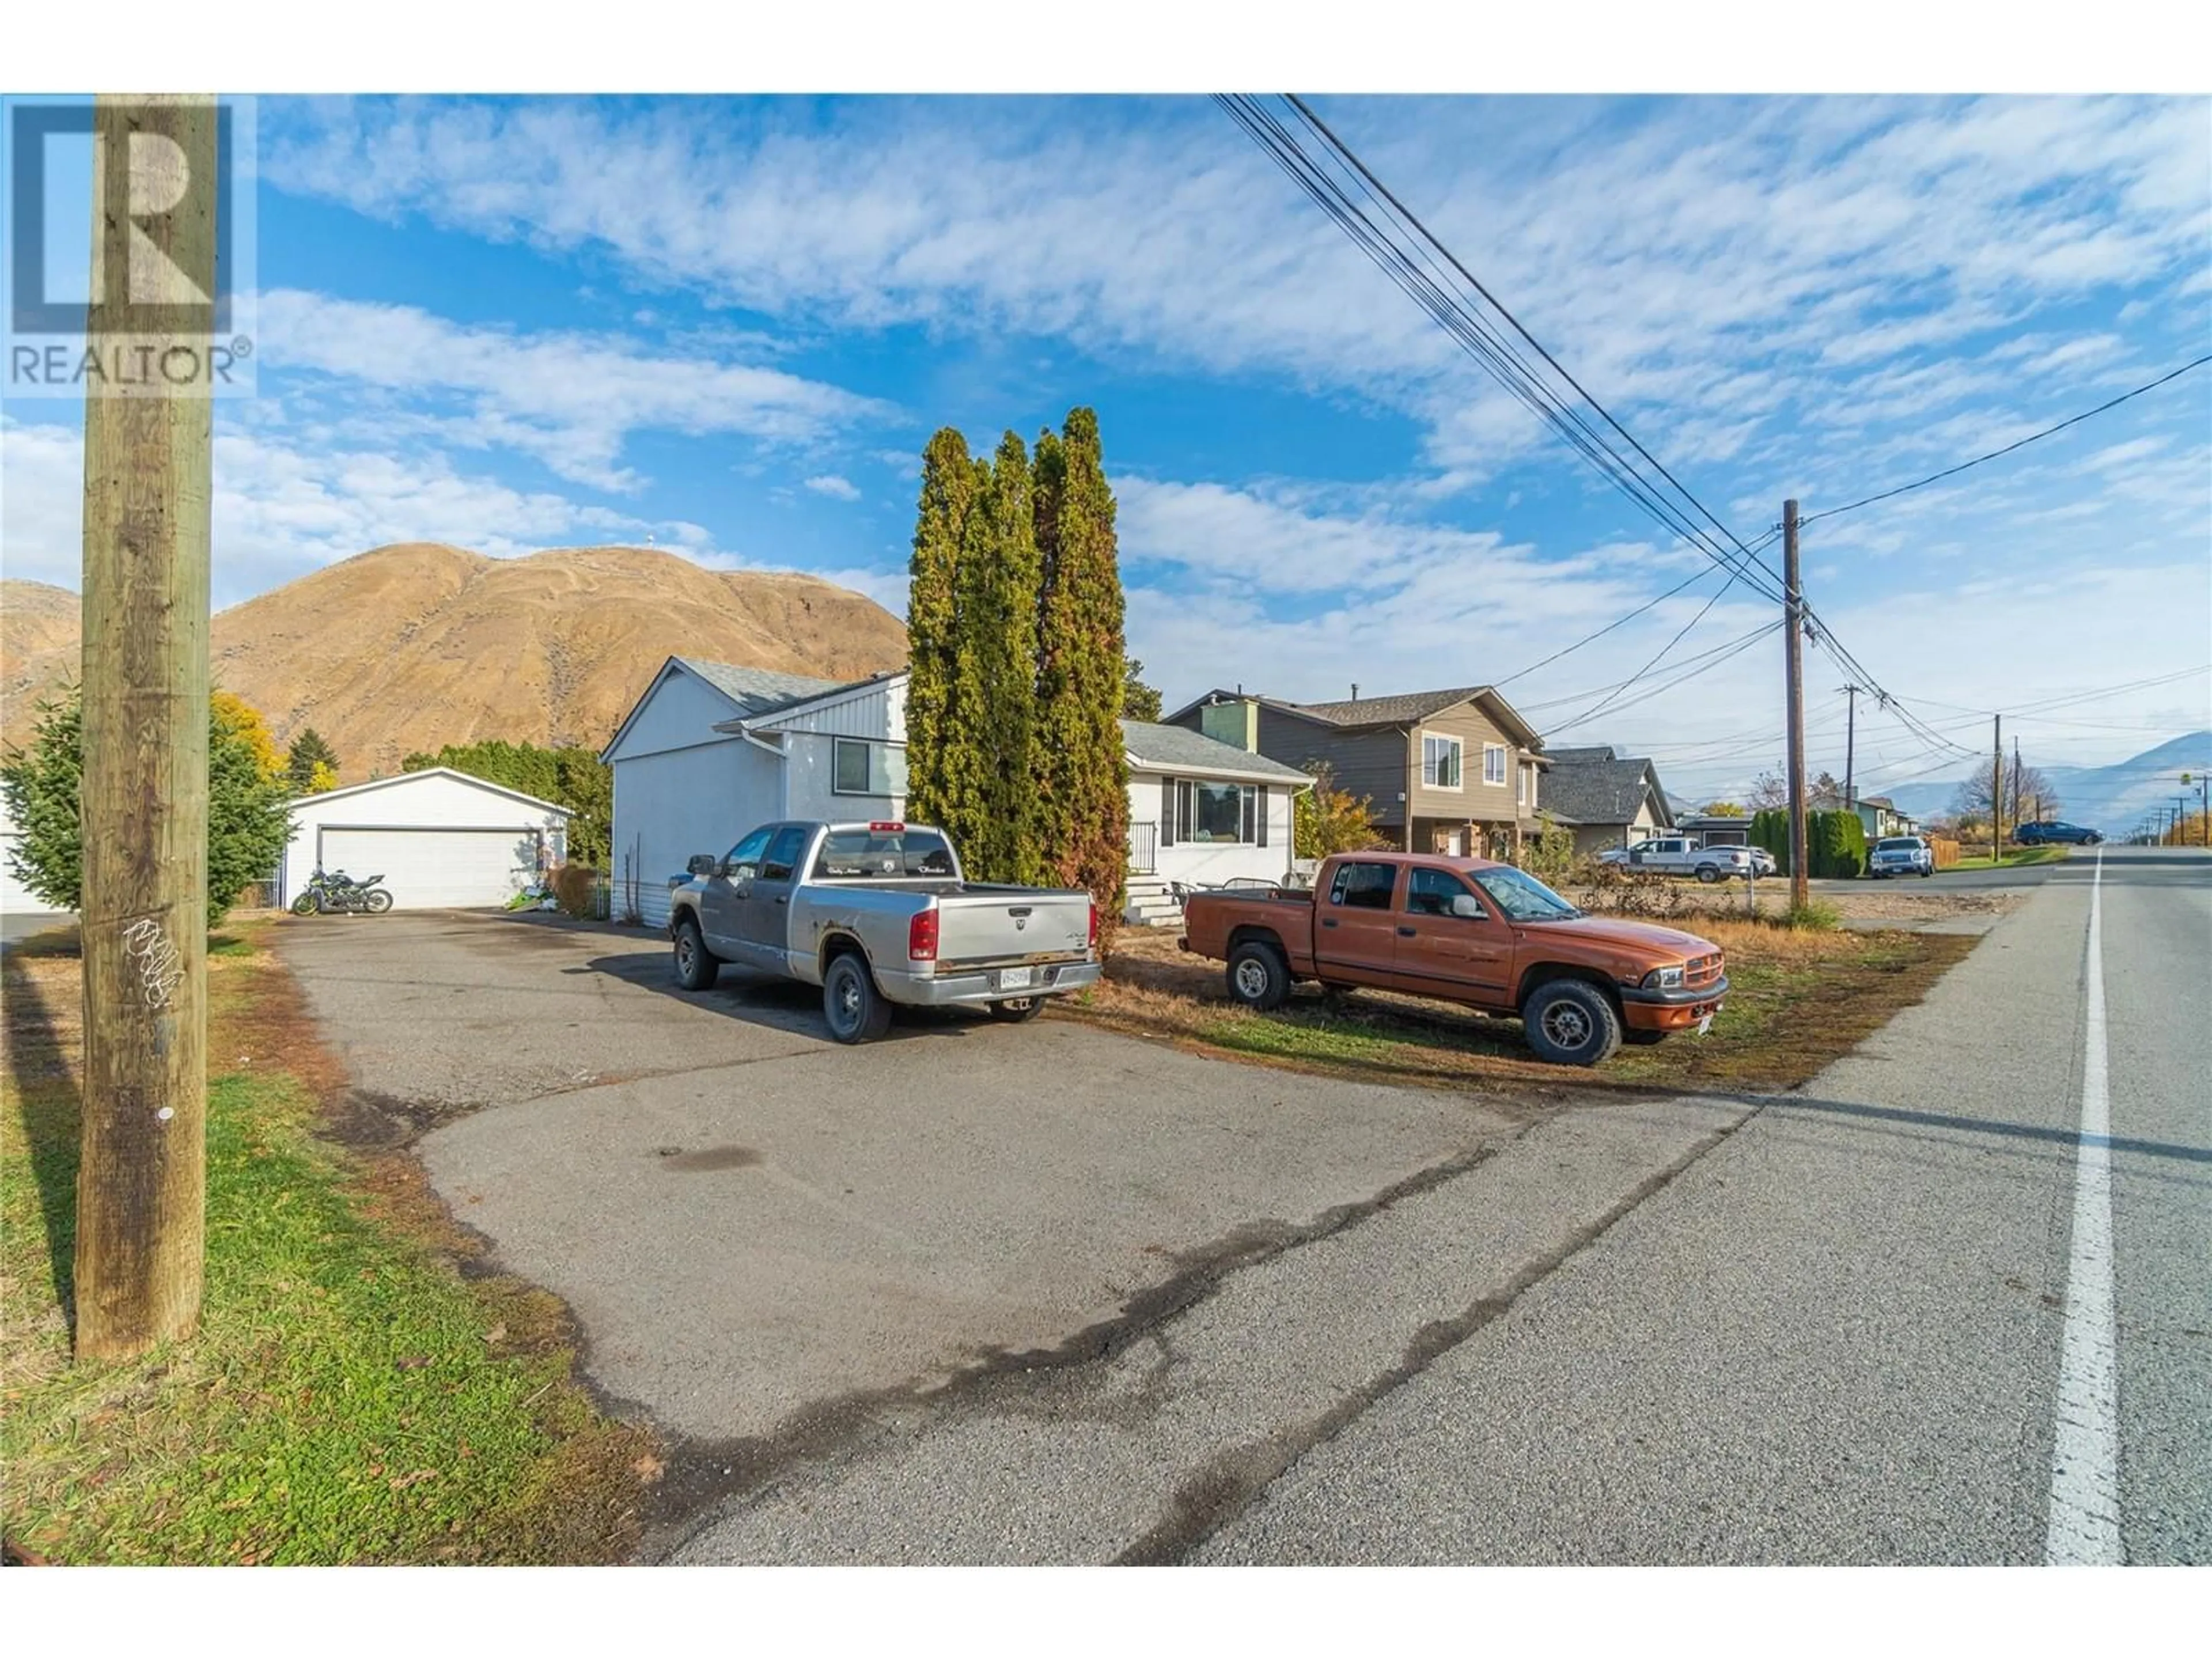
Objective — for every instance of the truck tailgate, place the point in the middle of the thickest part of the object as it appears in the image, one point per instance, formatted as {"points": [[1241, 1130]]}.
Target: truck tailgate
{"points": [[979, 925]]}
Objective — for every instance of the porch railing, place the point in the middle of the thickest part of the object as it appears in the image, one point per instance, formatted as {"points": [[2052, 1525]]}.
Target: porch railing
{"points": [[1144, 848]]}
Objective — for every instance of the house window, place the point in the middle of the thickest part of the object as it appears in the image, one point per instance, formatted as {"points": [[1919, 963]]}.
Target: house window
{"points": [[1493, 763], [1213, 812], [860, 767], [1520, 784], [1439, 761]]}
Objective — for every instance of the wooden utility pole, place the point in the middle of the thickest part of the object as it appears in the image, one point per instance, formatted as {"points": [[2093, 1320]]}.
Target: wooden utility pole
{"points": [[148, 478], [1793, 660], [1850, 743], [1997, 792], [2017, 775]]}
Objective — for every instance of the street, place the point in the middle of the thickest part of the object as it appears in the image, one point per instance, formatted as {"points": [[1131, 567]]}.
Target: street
{"points": [[1833, 1327]]}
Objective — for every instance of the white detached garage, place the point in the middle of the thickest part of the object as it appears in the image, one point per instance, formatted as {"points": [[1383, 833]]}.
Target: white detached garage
{"points": [[440, 839]]}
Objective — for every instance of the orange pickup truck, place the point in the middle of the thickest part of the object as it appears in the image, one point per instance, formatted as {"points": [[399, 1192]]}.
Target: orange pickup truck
{"points": [[1466, 930]]}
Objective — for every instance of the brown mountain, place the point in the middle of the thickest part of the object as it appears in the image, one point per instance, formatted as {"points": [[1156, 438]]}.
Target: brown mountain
{"points": [[417, 645]]}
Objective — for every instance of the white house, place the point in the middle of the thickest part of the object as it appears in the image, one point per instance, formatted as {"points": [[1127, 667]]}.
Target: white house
{"points": [[439, 838], [15, 899], [1202, 812], [711, 749]]}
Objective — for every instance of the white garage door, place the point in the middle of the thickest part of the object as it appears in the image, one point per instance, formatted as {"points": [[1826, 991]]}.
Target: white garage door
{"points": [[432, 868]]}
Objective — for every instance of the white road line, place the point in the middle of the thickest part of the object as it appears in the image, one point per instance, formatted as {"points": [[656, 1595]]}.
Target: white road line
{"points": [[2084, 1528]]}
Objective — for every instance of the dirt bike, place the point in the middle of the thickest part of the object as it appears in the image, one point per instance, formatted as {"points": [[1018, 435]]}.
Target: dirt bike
{"points": [[337, 893]]}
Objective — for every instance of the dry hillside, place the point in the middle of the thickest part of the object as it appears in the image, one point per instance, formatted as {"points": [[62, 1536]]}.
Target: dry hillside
{"points": [[417, 645]]}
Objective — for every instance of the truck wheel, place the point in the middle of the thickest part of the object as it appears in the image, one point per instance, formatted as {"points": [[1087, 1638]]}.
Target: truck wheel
{"points": [[697, 967], [1569, 1022], [1016, 1010], [1258, 976], [1709, 874], [854, 1009]]}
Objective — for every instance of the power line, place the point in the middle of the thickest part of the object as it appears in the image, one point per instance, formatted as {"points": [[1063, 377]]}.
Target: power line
{"points": [[1699, 576], [1422, 230], [1496, 354], [1950, 471], [1714, 659]]}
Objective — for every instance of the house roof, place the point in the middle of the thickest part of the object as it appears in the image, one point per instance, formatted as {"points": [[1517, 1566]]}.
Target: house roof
{"points": [[469, 778], [758, 691], [754, 692], [1402, 708], [775, 710], [1178, 749], [1601, 751], [1603, 791]]}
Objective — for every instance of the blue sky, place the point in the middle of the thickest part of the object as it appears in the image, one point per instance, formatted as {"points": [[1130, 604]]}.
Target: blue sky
{"points": [[728, 325]]}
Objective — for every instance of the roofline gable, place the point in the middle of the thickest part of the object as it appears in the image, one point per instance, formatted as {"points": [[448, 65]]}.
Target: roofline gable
{"points": [[645, 696], [745, 723], [434, 772]]}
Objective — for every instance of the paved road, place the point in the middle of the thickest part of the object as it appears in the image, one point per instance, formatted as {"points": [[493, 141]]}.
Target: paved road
{"points": [[895, 1311], [1843, 1336], [1828, 1329]]}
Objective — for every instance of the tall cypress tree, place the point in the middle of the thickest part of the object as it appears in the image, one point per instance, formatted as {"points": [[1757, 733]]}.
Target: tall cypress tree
{"points": [[1082, 765], [948, 489], [992, 793]]}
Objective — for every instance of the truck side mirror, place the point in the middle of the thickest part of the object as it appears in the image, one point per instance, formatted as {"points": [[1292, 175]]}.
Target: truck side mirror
{"points": [[703, 863], [1467, 907]]}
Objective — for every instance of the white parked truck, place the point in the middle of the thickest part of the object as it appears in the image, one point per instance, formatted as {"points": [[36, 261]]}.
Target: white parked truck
{"points": [[1681, 855], [879, 914]]}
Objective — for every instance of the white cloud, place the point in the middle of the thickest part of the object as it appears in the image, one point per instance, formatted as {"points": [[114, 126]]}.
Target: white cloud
{"points": [[569, 400], [280, 511], [829, 483], [1677, 254]]}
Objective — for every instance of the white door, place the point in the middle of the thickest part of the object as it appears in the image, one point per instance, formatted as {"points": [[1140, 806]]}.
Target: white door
{"points": [[1458, 843], [436, 868]]}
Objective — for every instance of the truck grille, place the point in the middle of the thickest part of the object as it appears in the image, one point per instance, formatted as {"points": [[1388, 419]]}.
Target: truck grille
{"points": [[1702, 970]]}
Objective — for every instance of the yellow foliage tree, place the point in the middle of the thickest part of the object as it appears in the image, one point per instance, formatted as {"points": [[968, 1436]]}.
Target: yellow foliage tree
{"points": [[324, 776], [243, 720]]}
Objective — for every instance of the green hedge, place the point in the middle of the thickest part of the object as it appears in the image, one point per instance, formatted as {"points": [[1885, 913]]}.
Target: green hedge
{"points": [[1835, 842]]}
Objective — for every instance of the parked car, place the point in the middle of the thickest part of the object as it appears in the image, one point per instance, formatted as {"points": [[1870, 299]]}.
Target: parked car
{"points": [[1681, 855], [879, 914], [1901, 856], [1763, 862], [2052, 831], [1469, 931]]}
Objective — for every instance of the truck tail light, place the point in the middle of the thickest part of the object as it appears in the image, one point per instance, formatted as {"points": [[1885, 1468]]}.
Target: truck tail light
{"points": [[1094, 924], [921, 936]]}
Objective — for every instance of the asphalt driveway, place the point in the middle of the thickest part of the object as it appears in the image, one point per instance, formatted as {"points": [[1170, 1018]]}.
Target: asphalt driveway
{"points": [[757, 1228]]}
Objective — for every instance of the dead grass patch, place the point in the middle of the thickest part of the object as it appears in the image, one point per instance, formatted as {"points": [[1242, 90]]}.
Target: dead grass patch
{"points": [[1797, 1001]]}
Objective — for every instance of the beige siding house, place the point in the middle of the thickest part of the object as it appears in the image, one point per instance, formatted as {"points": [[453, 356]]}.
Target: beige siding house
{"points": [[1453, 770]]}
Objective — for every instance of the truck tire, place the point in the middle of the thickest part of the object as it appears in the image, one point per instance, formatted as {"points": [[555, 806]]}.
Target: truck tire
{"points": [[1258, 976], [854, 1008], [1709, 874], [697, 967], [1017, 1010], [1569, 1022]]}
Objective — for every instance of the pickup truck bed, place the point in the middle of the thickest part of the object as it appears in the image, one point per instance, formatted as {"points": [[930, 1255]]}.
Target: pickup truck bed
{"points": [[881, 915]]}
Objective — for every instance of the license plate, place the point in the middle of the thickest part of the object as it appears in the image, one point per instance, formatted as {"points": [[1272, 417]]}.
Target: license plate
{"points": [[1015, 979], [1704, 1024]]}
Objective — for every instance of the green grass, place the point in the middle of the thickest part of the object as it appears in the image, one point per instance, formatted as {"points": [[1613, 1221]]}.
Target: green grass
{"points": [[2015, 856], [350, 1396]]}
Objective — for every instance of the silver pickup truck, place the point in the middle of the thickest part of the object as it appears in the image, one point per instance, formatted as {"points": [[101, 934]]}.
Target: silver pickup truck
{"points": [[878, 913], [1680, 855]]}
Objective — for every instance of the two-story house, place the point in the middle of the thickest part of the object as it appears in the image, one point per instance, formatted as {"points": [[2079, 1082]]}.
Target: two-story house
{"points": [[1447, 771]]}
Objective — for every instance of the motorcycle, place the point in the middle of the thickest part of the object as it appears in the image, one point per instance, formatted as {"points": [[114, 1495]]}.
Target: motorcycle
{"points": [[337, 893]]}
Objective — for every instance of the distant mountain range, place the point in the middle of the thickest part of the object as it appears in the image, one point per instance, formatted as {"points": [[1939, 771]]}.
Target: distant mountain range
{"points": [[2113, 799], [420, 645]]}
